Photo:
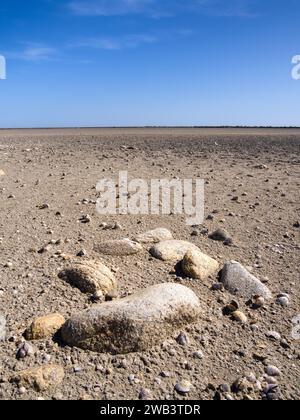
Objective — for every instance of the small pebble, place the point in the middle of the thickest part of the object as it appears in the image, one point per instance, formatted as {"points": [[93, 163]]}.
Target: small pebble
{"points": [[224, 388], [198, 354], [144, 394], [183, 387], [251, 378], [240, 317], [165, 374], [274, 335], [272, 370], [85, 219], [131, 378], [81, 253], [46, 358], [25, 350], [270, 380], [217, 287], [283, 301], [98, 295], [182, 339], [8, 265], [259, 302]]}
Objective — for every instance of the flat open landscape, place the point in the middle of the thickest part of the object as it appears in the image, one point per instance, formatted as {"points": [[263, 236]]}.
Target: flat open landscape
{"points": [[48, 220]]}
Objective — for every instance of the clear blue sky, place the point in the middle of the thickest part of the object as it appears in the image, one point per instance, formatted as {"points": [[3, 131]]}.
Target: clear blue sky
{"points": [[149, 62]]}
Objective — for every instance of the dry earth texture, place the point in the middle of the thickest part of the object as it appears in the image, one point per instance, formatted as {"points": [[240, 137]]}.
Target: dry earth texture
{"points": [[213, 345]]}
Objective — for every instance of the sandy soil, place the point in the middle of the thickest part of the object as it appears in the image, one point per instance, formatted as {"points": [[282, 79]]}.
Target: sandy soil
{"points": [[62, 167]]}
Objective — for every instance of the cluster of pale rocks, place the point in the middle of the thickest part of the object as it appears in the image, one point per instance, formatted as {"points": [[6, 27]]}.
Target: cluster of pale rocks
{"points": [[144, 319]]}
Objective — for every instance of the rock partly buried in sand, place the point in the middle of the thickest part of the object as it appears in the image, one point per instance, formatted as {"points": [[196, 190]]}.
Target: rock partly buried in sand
{"points": [[44, 327], [2, 173], [90, 277], [172, 250], [120, 247], [238, 281], [220, 235], [154, 236], [135, 323], [2, 328], [199, 266], [40, 378]]}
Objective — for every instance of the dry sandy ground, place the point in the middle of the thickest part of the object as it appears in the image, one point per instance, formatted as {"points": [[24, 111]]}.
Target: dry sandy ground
{"points": [[62, 167]]}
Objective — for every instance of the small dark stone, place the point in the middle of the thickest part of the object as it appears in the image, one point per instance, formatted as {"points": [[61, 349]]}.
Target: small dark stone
{"points": [[217, 287], [224, 388], [219, 235], [144, 394], [24, 350], [165, 374], [182, 339], [218, 396], [81, 253]]}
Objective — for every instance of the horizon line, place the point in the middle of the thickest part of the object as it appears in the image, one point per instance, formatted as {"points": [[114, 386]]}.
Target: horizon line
{"points": [[151, 126]]}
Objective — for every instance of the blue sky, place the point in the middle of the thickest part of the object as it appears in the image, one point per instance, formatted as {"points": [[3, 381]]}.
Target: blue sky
{"points": [[149, 62]]}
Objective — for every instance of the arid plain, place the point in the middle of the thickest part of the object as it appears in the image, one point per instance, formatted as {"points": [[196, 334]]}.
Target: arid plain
{"points": [[48, 220]]}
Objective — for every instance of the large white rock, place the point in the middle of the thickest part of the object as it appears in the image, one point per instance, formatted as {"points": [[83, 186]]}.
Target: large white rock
{"points": [[135, 323], [154, 236], [2, 173], [197, 265], [172, 250], [238, 281], [119, 247], [90, 277]]}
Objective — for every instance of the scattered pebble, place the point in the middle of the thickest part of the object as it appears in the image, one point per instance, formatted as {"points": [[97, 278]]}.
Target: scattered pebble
{"points": [[218, 287], [198, 354], [283, 300], [25, 350], [182, 339], [85, 219], [272, 371], [8, 265], [220, 235], [165, 374], [274, 335], [81, 253], [44, 206], [240, 317], [144, 394], [2, 328], [259, 302], [183, 387]]}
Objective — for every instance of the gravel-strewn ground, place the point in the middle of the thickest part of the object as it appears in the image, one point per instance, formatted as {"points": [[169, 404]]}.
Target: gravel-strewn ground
{"points": [[62, 167]]}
